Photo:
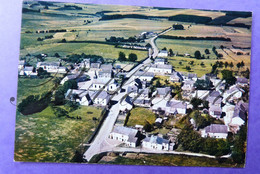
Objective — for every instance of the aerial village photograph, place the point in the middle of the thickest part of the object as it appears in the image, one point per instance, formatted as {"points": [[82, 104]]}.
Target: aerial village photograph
{"points": [[132, 85]]}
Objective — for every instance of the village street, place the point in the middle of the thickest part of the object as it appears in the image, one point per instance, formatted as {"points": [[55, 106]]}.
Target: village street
{"points": [[100, 144]]}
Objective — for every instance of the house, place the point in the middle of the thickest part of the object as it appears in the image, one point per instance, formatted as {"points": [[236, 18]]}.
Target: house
{"points": [[99, 98], [176, 77], [163, 53], [171, 107], [188, 86], [145, 93], [214, 98], [85, 63], [105, 71], [160, 69], [239, 116], [142, 102], [160, 61], [51, 67], [233, 93], [81, 96], [241, 81], [126, 135], [201, 94], [28, 71], [229, 112], [144, 76], [215, 82], [126, 104], [176, 107], [21, 64], [158, 121], [215, 111], [215, 131], [76, 77], [103, 83], [162, 92], [95, 66], [132, 91], [156, 143]]}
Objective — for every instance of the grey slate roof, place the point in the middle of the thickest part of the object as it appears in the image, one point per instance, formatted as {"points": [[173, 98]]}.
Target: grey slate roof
{"points": [[216, 128], [125, 131], [156, 140], [176, 104], [163, 91], [241, 110], [144, 74], [161, 66], [28, 68], [242, 80]]}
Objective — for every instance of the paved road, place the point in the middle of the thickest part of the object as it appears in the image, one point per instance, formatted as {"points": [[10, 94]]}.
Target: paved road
{"points": [[100, 143]]}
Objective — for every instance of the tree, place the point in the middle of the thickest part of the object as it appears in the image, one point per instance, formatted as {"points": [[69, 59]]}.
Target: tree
{"points": [[226, 64], [188, 68], [195, 102], [180, 63], [70, 84], [202, 64], [170, 52], [242, 64], [56, 55], [41, 73], [158, 83], [132, 57], [238, 65], [214, 49], [231, 65], [228, 77], [207, 51], [121, 56], [201, 84], [197, 54], [164, 49], [63, 41]]}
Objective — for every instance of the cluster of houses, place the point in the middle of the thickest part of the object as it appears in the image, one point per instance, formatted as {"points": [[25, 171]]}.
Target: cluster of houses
{"points": [[30, 71], [99, 82]]}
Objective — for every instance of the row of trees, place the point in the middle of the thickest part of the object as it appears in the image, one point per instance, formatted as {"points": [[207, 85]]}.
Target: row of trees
{"points": [[131, 57]]}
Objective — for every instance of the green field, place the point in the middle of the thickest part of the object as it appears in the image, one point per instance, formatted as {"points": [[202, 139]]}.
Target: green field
{"points": [[140, 116], [43, 137]]}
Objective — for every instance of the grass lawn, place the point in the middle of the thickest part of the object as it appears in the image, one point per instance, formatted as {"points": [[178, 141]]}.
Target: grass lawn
{"points": [[140, 116], [172, 160], [27, 86], [43, 137], [106, 51]]}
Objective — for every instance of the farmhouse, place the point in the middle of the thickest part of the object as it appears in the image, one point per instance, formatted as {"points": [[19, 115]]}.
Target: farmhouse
{"points": [[241, 81], [77, 77], [162, 92], [171, 107], [163, 53], [188, 86], [51, 67], [215, 111], [233, 93], [99, 98], [176, 77], [239, 116], [126, 135], [156, 143], [21, 64], [160, 69], [215, 131], [144, 76], [126, 104], [104, 83], [28, 71], [160, 61], [85, 63]]}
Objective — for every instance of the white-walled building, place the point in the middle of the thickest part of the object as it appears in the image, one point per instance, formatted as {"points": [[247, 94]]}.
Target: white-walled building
{"points": [[163, 53], [215, 131], [160, 69], [156, 143], [144, 76], [126, 135], [104, 83]]}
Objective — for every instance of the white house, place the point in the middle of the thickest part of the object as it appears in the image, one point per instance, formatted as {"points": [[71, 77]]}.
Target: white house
{"points": [[188, 86], [239, 116], [215, 131], [85, 63], [77, 77], [215, 111], [160, 69], [169, 107], [126, 135], [99, 98], [241, 81], [233, 93], [126, 104], [144, 76], [51, 67], [163, 53], [156, 143], [160, 61], [104, 83], [176, 77], [201, 94], [21, 64]]}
